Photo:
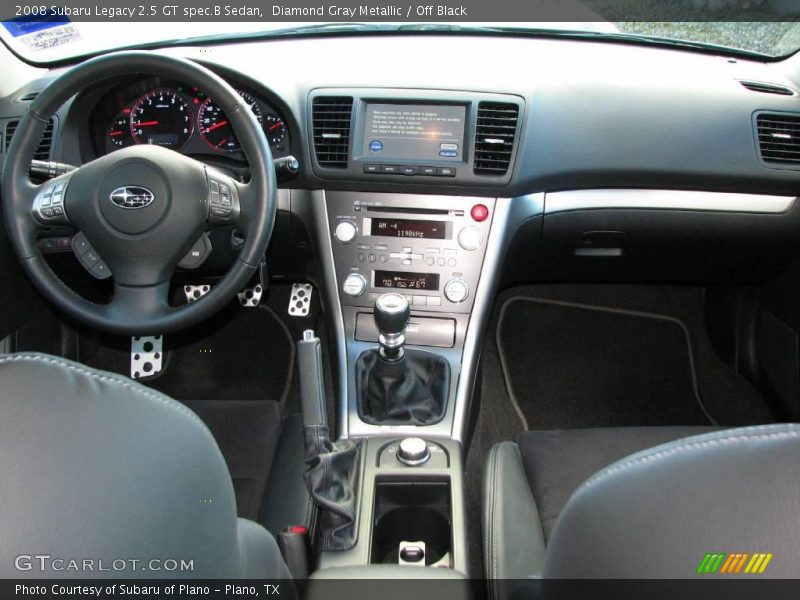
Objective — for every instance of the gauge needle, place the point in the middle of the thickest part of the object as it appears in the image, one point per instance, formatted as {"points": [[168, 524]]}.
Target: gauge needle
{"points": [[278, 124], [114, 133], [146, 123], [217, 126]]}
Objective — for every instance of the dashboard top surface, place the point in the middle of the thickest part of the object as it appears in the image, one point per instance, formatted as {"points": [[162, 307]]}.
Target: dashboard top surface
{"points": [[595, 114]]}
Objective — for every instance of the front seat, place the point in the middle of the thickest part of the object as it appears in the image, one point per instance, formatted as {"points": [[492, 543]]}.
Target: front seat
{"points": [[103, 477], [645, 502]]}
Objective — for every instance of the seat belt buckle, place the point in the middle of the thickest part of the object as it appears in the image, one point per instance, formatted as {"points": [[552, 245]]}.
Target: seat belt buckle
{"points": [[295, 545]]}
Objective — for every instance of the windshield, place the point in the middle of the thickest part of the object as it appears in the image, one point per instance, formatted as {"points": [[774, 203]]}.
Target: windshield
{"points": [[58, 38]]}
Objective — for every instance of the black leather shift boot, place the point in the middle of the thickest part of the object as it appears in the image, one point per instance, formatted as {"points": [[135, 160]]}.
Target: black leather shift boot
{"points": [[410, 391], [332, 481]]}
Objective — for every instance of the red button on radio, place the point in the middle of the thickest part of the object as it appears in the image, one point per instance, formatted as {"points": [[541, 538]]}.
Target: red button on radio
{"points": [[479, 213]]}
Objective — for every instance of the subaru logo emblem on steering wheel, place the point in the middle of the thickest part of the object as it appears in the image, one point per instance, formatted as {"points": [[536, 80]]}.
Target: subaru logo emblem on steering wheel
{"points": [[132, 196]]}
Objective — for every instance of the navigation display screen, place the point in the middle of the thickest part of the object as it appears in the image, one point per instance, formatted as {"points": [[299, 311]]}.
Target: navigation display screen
{"points": [[417, 132], [408, 228], [407, 281]]}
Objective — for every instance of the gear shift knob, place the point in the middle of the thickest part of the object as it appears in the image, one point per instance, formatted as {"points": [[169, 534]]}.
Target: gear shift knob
{"points": [[391, 317]]}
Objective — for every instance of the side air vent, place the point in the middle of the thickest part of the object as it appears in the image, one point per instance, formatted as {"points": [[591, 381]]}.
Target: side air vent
{"points": [[331, 123], [767, 88], [28, 97], [494, 137], [779, 138], [43, 150]]}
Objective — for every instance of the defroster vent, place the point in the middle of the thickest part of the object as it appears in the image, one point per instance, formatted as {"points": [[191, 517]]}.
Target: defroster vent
{"points": [[494, 137], [331, 123]]}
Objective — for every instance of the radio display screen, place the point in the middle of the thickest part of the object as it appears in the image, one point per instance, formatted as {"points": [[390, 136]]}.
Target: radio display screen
{"points": [[417, 132], [408, 228], [407, 281]]}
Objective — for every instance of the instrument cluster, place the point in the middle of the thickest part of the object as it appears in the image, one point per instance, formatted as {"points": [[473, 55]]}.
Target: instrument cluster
{"points": [[182, 118]]}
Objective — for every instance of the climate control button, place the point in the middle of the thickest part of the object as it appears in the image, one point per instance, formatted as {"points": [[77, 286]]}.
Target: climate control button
{"points": [[345, 231], [456, 291], [354, 284]]}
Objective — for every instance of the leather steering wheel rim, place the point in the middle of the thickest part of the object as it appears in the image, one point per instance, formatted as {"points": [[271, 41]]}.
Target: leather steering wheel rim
{"points": [[141, 308]]}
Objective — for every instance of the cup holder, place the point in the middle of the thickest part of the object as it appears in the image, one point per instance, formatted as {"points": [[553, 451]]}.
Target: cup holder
{"points": [[412, 512]]}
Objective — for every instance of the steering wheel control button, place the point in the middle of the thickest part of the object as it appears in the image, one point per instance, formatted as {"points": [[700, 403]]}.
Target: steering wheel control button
{"points": [[470, 238], [413, 451], [198, 254], [354, 285], [345, 231], [48, 206], [456, 291], [80, 244], [88, 257], [223, 201]]}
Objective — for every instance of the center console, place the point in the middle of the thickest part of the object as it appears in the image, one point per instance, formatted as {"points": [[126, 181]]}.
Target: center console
{"points": [[440, 254], [409, 280]]}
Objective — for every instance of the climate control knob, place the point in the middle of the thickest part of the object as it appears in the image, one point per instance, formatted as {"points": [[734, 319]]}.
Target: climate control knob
{"points": [[345, 231], [456, 291], [354, 284], [470, 238]]}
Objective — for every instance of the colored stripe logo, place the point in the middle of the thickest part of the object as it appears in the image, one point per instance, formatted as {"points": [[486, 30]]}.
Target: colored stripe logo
{"points": [[734, 563]]}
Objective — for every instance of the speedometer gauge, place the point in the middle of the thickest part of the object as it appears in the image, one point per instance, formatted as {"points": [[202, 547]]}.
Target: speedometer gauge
{"points": [[163, 118], [215, 128]]}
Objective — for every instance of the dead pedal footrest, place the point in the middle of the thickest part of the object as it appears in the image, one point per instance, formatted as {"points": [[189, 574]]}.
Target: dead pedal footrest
{"points": [[147, 355]]}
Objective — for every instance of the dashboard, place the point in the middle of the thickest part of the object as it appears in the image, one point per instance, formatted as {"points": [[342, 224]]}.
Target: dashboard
{"points": [[180, 117], [626, 162]]}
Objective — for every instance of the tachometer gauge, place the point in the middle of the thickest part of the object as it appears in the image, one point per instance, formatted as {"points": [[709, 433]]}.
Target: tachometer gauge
{"points": [[276, 129], [215, 128], [163, 118], [119, 132]]}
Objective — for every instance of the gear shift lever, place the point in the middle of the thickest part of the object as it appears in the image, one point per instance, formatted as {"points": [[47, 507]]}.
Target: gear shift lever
{"points": [[398, 385], [391, 317]]}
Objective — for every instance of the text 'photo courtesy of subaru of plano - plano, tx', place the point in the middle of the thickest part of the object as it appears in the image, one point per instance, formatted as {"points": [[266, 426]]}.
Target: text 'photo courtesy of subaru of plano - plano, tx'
{"points": [[400, 309]]}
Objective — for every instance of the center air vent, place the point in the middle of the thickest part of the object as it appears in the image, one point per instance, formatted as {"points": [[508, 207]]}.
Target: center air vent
{"points": [[43, 150], [331, 123], [767, 88], [779, 138], [494, 137]]}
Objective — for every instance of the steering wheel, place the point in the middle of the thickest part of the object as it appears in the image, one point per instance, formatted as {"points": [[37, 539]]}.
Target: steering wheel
{"points": [[141, 208]]}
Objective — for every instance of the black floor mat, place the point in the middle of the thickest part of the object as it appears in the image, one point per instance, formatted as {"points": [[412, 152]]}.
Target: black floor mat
{"points": [[570, 365], [247, 432], [238, 354]]}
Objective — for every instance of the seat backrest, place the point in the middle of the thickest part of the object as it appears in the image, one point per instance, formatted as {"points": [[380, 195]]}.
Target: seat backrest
{"points": [[99, 470], [687, 509]]}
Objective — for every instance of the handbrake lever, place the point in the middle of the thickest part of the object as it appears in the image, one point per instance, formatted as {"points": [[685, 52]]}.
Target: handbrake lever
{"points": [[312, 387], [333, 471]]}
